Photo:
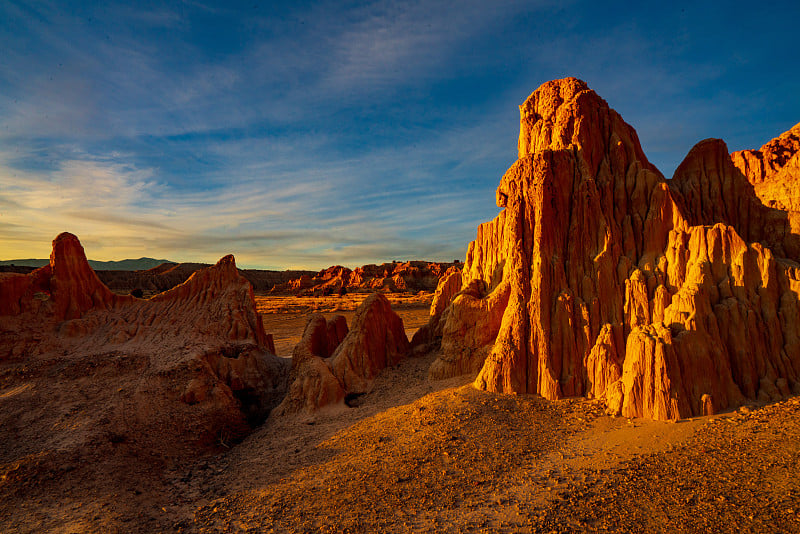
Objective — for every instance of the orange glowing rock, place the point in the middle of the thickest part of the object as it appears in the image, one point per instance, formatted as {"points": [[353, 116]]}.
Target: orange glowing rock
{"points": [[376, 340], [595, 281]]}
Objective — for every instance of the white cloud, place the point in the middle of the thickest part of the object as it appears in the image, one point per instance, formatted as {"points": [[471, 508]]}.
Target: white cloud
{"points": [[314, 215]]}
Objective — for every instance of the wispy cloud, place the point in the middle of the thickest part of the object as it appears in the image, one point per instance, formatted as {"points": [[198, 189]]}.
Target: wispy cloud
{"points": [[306, 134]]}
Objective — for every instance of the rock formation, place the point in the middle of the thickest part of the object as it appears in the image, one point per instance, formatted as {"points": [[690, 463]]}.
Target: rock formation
{"points": [[774, 170], [431, 333], [713, 189], [376, 340], [198, 353], [598, 279], [389, 277]]}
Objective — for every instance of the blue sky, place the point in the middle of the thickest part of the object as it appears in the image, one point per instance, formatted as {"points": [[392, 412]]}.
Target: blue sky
{"points": [[307, 134]]}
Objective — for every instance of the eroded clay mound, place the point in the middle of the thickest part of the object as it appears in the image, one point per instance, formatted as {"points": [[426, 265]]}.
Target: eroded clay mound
{"points": [[375, 341], [196, 365], [611, 290]]}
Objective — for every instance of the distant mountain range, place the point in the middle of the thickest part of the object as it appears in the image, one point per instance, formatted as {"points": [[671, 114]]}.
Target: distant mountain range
{"points": [[121, 265]]}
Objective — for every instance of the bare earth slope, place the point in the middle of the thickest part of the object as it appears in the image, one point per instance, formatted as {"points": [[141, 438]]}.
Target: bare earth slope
{"points": [[441, 456]]}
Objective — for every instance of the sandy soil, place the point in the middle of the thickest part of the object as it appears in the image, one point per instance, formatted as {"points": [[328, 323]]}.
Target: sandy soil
{"points": [[414, 456], [443, 457]]}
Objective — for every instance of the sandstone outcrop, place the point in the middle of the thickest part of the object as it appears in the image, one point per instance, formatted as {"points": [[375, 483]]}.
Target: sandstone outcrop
{"points": [[199, 365], [600, 278], [312, 382], [64, 289], [774, 170], [467, 329], [375, 341], [714, 190]]}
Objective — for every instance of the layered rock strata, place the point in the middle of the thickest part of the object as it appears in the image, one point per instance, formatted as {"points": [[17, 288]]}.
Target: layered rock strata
{"points": [[598, 279]]}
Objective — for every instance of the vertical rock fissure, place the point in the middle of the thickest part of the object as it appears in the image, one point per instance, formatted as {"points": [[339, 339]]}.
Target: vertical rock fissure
{"points": [[526, 290]]}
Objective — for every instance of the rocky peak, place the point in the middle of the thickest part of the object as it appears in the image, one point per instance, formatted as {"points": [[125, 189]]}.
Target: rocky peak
{"points": [[74, 286], [763, 164], [566, 114]]}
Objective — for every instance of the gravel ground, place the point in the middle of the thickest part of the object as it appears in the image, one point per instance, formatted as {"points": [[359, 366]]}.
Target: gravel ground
{"points": [[462, 460]]}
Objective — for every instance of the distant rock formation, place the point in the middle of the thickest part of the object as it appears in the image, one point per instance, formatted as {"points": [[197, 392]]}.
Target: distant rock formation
{"points": [[202, 365], [600, 278], [377, 340], [388, 278]]}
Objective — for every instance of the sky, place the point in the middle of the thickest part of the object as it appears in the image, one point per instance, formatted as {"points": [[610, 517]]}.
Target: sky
{"points": [[308, 134]]}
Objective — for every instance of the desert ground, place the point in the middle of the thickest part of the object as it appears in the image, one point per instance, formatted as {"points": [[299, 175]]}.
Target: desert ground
{"points": [[417, 455]]}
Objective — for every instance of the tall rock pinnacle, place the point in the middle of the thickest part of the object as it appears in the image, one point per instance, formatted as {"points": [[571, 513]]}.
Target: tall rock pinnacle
{"points": [[596, 283]]}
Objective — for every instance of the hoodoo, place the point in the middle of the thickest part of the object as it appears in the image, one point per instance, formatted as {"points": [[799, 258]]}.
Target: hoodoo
{"points": [[376, 341], [600, 278]]}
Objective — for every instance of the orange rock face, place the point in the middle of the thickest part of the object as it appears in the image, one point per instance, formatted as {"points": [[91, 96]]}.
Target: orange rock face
{"points": [[312, 382], [774, 158], [597, 280], [713, 189], [431, 333], [202, 350], [376, 340]]}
